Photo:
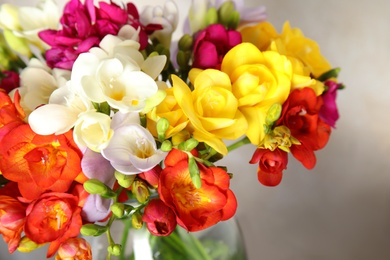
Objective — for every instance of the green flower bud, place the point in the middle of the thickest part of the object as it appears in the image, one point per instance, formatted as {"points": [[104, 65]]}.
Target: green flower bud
{"points": [[211, 16], [273, 114], [162, 127], [118, 209], [194, 172], [94, 186], [136, 220], [333, 73], [26, 245], [140, 190], [124, 180], [166, 146], [224, 12], [234, 20], [183, 58], [185, 42], [190, 144], [92, 230], [114, 249]]}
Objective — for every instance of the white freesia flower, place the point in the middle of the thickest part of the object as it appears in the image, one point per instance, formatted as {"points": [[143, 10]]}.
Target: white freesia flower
{"points": [[92, 129], [25, 22], [60, 115], [117, 73], [167, 16], [37, 83], [132, 149], [196, 16]]}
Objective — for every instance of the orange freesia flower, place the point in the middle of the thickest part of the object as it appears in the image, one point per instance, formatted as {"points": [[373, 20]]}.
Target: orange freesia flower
{"points": [[12, 218], [196, 209], [11, 114], [53, 218], [74, 248], [39, 163]]}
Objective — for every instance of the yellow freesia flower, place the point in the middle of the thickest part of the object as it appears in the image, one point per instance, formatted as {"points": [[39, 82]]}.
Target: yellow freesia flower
{"points": [[211, 108], [170, 110], [259, 80], [291, 42]]}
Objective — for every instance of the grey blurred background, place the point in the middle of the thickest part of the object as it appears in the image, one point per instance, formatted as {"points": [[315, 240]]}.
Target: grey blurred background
{"points": [[341, 209]]}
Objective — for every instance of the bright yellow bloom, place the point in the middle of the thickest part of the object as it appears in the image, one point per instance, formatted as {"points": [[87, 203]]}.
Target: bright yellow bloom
{"points": [[260, 79], [304, 53], [211, 108]]}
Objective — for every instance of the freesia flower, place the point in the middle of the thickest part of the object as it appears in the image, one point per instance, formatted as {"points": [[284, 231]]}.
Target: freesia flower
{"points": [[74, 248], [39, 163], [11, 113], [271, 165], [195, 209], [329, 112], [12, 219], [53, 218], [159, 218], [38, 82], [167, 16], [211, 45], [9, 80], [92, 130], [117, 74], [300, 115], [132, 150], [259, 80], [211, 108]]}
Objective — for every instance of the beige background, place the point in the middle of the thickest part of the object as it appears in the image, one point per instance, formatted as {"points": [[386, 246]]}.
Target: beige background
{"points": [[341, 209]]}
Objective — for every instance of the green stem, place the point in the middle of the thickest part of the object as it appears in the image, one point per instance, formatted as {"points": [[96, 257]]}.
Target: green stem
{"points": [[124, 237], [238, 144]]}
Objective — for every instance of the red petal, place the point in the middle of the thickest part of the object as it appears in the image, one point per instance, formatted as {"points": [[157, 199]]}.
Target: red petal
{"points": [[269, 179], [304, 155]]}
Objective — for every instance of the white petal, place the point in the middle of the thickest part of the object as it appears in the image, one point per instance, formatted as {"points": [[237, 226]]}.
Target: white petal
{"points": [[52, 119], [121, 119], [154, 65]]}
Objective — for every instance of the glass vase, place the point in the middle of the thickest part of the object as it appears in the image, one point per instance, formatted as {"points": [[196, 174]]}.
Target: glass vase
{"points": [[222, 241]]}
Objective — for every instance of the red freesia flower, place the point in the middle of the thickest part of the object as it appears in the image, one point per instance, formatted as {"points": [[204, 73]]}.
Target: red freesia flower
{"points": [[300, 115], [328, 112], [39, 163], [195, 209], [271, 165], [211, 45], [53, 218], [11, 114], [12, 219], [9, 81], [152, 176], [159, 218]]}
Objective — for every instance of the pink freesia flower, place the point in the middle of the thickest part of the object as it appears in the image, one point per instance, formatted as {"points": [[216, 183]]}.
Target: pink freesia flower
{"points": [[84, 26], [211, 45], [329, 113], [9, 80]]}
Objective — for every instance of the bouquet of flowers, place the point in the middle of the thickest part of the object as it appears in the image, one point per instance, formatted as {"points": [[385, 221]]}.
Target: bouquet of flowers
{"points": [[100, 108]]}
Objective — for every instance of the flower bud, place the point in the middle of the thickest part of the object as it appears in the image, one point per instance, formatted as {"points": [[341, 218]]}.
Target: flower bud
{"points": [[136, 220], [228, 16], [118, 209], [273, 113], [183, 58], [124, 180], [140, 190], [92, 230], [114, 249], [94, 186], [180, 137], [185, 42], [211, 16], [74, 248], [190, 144], [162, 127], [166, 146], [27, 245], [194, 172]]}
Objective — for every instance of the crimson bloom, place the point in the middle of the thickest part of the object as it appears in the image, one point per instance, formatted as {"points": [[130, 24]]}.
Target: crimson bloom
{"points": [[9, 80], [12, 219], [53, 218], [271, 165], [159, 218], [195, 209], [39, 163], [300, 115], [211, 45]]}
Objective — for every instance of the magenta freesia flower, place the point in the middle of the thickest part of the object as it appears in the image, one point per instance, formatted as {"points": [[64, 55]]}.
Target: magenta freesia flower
{"points": [[84, 26], [329, 112], [211, 45]]}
